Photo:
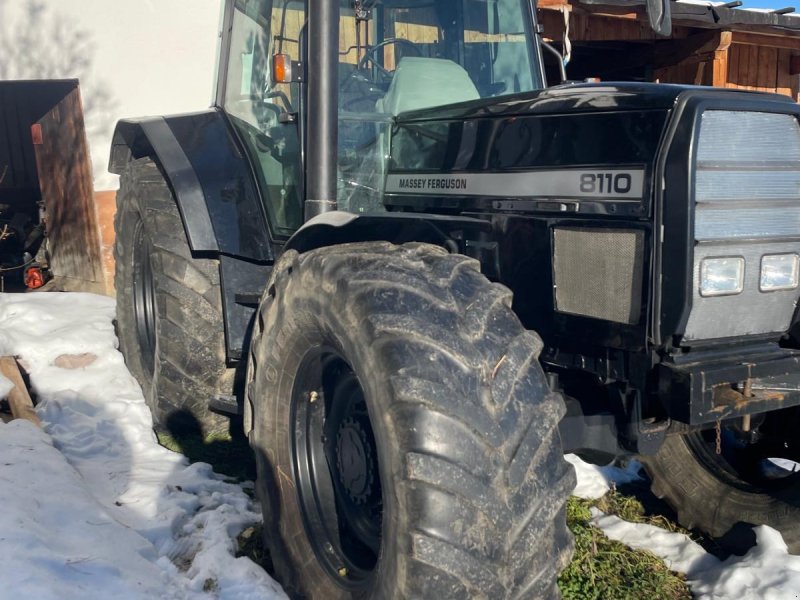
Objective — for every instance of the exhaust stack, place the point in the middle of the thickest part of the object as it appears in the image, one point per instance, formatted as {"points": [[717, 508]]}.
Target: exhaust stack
{"points": [[322, 131]]}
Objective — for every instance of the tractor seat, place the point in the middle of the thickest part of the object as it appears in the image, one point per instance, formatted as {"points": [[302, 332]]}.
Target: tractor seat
{"points": [[424, 83]]}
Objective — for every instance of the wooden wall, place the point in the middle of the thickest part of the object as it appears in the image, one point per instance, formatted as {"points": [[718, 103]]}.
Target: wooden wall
{"points": [[761, 67], [65, 180], [742, 61]]}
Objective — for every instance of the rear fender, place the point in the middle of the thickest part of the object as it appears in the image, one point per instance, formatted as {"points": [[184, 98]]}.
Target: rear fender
{"points": [[210, 177]]}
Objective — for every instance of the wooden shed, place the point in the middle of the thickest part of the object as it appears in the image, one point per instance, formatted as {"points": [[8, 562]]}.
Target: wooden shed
{"points": [[47, 205], [711, 44]]}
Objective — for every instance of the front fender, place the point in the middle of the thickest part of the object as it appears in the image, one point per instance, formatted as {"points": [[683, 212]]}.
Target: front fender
{"points": [[339, 227]]}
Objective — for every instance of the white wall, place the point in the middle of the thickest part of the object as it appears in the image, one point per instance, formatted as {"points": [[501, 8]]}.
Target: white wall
{"points": [[133, 57]]}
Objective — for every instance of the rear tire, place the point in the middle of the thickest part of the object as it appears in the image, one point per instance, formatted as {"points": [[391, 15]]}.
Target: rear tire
{"points": [[169, 306], [707, 493], [446, 435]]}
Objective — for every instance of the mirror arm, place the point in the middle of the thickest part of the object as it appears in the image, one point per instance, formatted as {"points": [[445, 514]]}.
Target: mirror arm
{"points": [[547, 46]]}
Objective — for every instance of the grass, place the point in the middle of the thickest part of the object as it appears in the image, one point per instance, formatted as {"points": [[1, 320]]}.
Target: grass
{"points": [[228, 455], [605, 569], [601, 569]]}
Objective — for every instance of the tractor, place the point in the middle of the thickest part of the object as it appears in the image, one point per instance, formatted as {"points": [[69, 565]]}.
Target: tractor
{"points": [[417, 275]]}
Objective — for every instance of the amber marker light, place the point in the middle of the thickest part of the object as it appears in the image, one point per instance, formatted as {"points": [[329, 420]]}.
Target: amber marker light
{"points": [[282, 68]]}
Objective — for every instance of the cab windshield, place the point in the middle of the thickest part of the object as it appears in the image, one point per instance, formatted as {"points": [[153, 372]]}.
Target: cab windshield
{"points": [[439, 52], [395, 56]]}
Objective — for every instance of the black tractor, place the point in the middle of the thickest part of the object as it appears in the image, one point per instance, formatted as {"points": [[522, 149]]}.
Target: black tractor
{"points": [[353, 248]]}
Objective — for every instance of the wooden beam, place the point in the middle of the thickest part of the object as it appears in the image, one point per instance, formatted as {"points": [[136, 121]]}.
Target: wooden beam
{"points": [[618, 12], [18, 398], [788, 42], [699, 47], [554, 4], [720, 67]]}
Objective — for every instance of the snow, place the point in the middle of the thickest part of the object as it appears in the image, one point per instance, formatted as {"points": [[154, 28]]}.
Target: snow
{"points": [[5, 386], [93, 507], [766, 572], [594, 481]]}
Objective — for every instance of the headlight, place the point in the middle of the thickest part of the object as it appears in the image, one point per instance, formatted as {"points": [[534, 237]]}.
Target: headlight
{"points": [[779, 272], [721, 276]]}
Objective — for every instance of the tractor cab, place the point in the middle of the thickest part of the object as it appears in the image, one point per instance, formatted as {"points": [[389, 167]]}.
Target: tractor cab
{"points": [[394, 56]]}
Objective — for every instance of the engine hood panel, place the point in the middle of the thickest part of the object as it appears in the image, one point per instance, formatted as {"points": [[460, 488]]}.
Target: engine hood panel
{"points": [[572, 98], [589, 162]]}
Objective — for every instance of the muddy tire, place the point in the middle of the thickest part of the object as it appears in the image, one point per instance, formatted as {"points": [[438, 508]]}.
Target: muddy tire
{"points": [[712, 492], [406, 440], [169, 307]]}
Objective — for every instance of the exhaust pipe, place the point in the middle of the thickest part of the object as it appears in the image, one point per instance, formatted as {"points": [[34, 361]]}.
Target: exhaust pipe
{"points": [[322, 130]]}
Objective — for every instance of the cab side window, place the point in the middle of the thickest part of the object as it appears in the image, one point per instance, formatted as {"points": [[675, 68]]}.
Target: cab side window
{"points": [[254, 104]]}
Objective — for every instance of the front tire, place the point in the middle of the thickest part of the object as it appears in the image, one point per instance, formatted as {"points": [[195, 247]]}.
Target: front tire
{"points": [[406, 440], [169, 306]]}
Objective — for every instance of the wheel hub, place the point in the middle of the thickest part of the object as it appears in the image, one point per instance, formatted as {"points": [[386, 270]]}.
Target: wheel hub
{"points": [[355, 462], [337, 466]]}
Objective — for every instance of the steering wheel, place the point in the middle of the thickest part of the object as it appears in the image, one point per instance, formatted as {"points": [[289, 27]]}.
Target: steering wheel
{"points": [[369, 56]]}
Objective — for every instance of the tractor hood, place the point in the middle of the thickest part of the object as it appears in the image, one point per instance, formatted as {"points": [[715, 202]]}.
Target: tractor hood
{"points": [[569, 97], [584, 148], [538, 147]]}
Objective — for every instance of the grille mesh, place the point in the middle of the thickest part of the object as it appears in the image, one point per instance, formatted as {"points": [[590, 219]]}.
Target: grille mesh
{"points": [[598, 272]]}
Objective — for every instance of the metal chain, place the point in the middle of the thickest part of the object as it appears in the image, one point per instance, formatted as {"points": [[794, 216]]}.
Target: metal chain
{"points": [[718, 430]]}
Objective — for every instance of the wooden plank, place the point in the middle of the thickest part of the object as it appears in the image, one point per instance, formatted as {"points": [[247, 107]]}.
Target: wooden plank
{"points": [[703, 73], [627, 13], [752, 69], [65, 178], [719, 69], [783, 40], [554, 4], [772, 68], [767, 61], [18, 398], [732, 79], [744, 66], [784, 83], [794, 63], [796, 89]]}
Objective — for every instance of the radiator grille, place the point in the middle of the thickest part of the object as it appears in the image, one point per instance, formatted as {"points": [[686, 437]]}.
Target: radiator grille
{"points": [[747, 204], [598, 272]]}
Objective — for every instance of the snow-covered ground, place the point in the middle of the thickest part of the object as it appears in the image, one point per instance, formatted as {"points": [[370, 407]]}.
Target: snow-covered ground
{"points": [[93, 508]]}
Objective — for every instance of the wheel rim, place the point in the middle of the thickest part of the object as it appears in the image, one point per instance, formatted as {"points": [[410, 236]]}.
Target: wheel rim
{"points": [[335, 463], [144, 298], [751, 467]]}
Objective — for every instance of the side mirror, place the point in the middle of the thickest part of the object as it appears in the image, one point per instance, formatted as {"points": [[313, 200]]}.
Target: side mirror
{"points": [[660, 16]]}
